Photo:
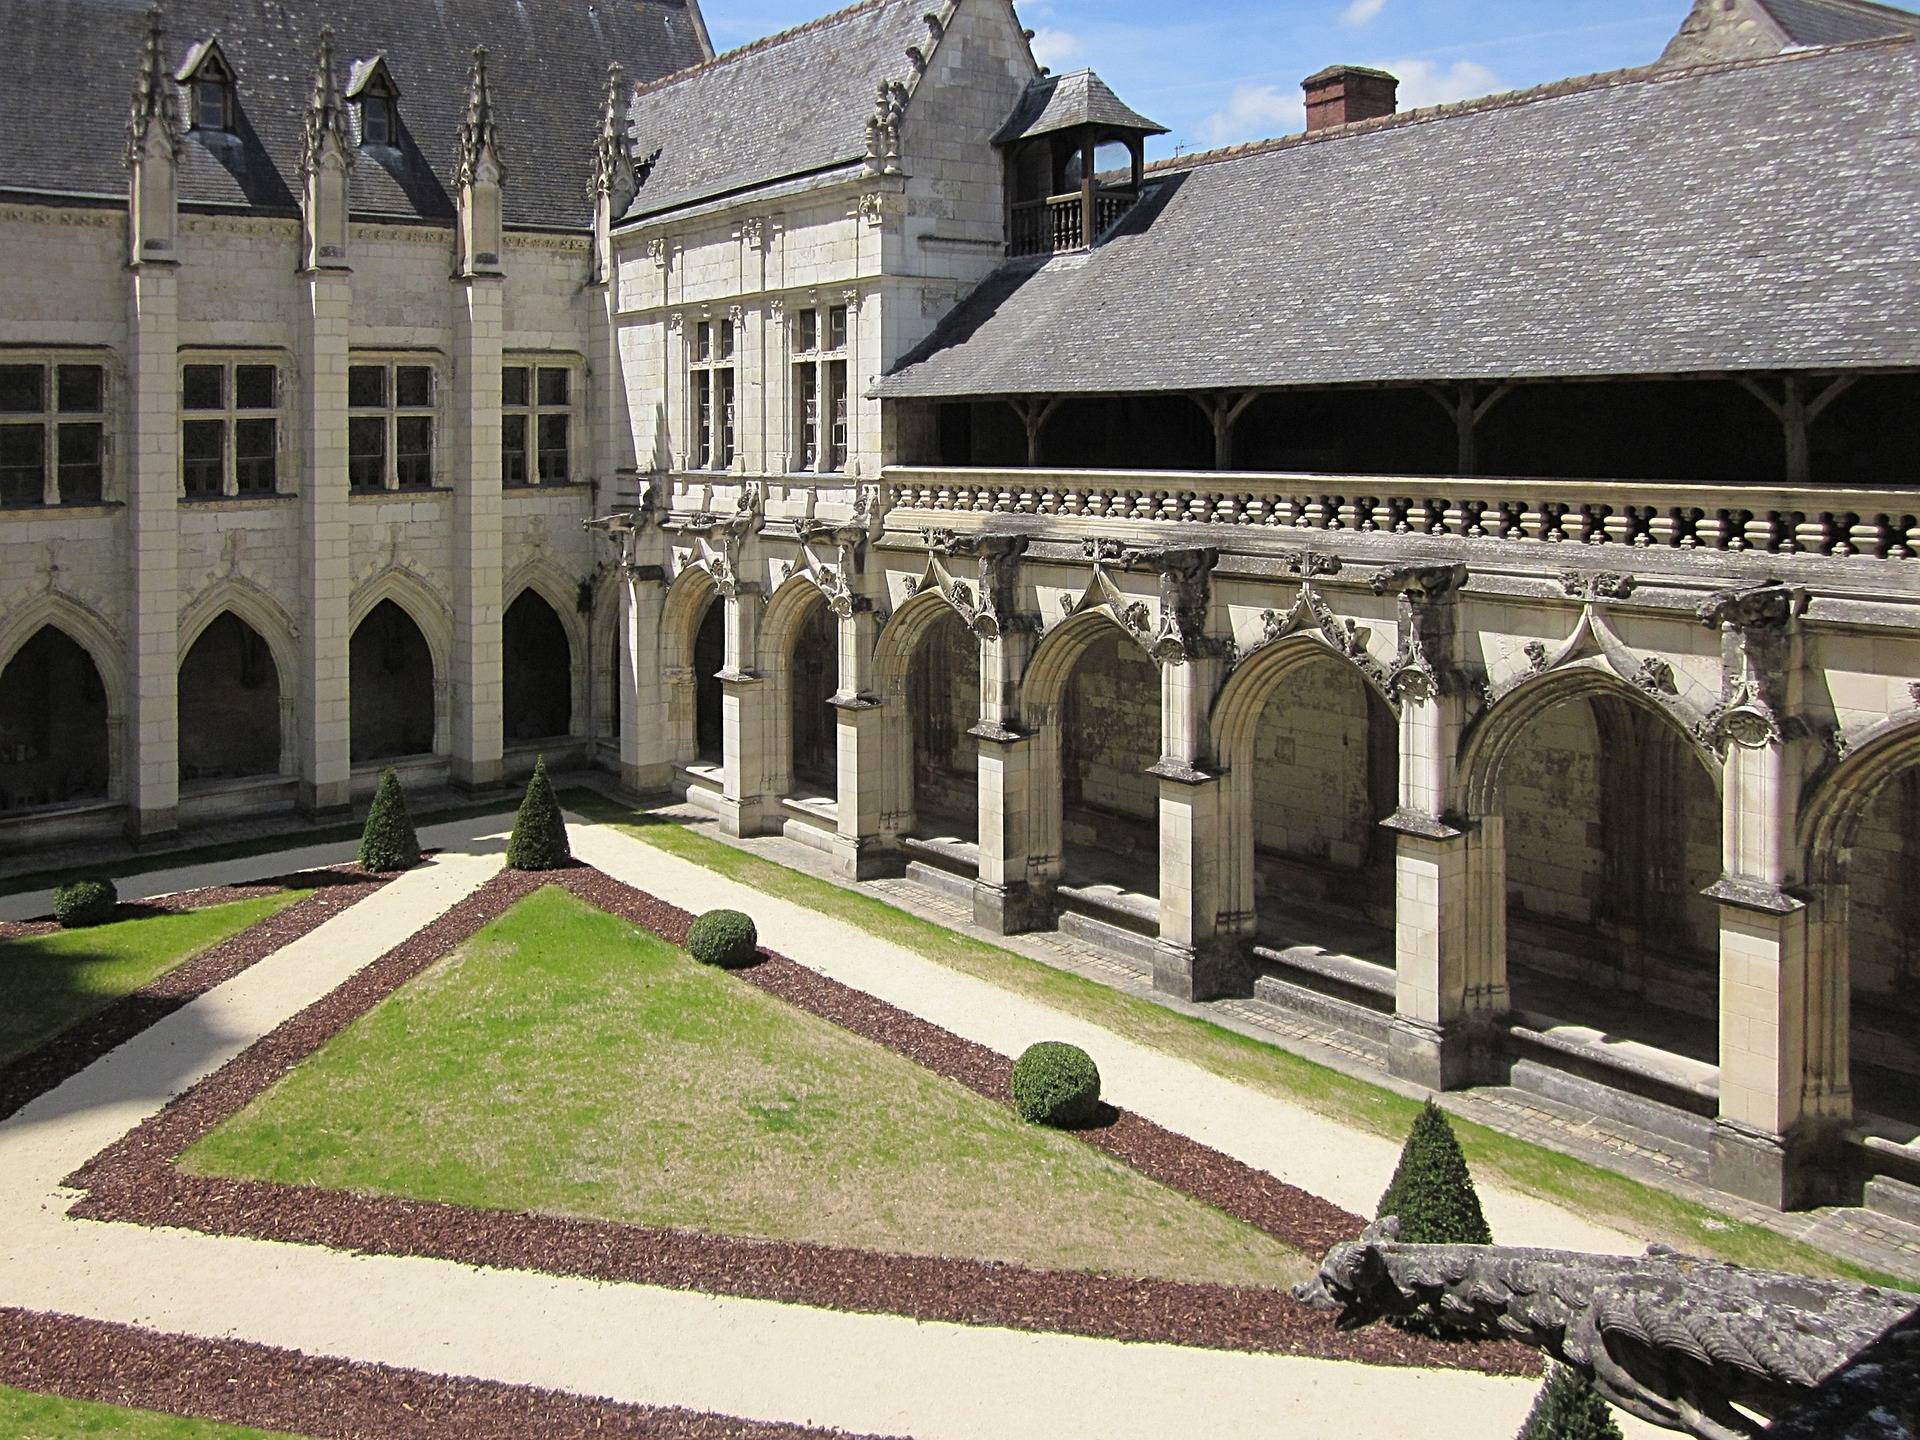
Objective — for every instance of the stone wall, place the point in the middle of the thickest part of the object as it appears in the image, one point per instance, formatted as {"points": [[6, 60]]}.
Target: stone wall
{"points": [[1110, 736], [943, 693], [1884, 900], [1314, 795]]}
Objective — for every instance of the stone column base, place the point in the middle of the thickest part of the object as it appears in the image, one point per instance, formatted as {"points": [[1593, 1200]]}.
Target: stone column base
{"points": [[474, 776], [1797, 1171], [745, 817], [867, 858], [145, 825], [1010, 909], [1208, 972], [1444, 1058], [647, 780], [325, 802]]}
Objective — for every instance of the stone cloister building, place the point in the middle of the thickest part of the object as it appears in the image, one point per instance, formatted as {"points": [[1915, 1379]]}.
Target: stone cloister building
{"points": [[1451, 573]]}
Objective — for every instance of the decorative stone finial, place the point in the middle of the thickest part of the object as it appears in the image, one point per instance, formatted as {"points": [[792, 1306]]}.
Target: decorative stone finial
{"points": [[326, 131], [479, 138], [155, 112], [326, 155], [883, 129], [613, 167]]}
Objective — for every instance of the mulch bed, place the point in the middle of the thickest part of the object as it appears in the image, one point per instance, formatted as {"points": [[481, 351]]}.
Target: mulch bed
{"points": [[240, 1383], [135, 1180], [29, 1076]]}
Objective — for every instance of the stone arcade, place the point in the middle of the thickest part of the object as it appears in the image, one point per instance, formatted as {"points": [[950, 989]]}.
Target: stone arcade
{"points": [[1451, 573]]}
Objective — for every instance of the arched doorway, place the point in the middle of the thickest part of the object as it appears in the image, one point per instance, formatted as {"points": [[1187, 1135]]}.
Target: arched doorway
{"points": [[53, 725], [390, 672], [229, 704], [1882, 947], [536, 671], [943, 703], [1612, 829], [812, 677], [709, 659]]}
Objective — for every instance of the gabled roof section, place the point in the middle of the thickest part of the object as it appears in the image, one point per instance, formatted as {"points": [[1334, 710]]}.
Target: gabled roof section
{"points": [[363, 74], [793, 104], [1066, 102], [204, 55], [1839, 22], [63, 109], [1754, 215]]}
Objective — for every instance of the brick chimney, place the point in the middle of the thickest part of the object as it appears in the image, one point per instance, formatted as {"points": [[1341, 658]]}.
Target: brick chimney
{"points": [[1343, 94]]}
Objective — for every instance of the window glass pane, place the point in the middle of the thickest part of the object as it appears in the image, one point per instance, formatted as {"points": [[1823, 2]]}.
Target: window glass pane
{"points": [[203, 387], [202, 449], [253, 387], [513, 448], [366, 385], [413, 386], [837, 388], [22, 464], [366, 452], [553, 386], [254, 444], [553, 447], [82, 475], [726, 339], [837, 328], [83, 388], [210, 105], [22, 389], [806, 330], [702, 340], [376, 121], [413, 451], [513, 385], [807, 387], [725, 378], [703, 418]]}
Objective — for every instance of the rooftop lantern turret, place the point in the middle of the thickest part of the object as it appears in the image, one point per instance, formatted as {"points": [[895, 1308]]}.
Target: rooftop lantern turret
{"points": [[1074, 155]]}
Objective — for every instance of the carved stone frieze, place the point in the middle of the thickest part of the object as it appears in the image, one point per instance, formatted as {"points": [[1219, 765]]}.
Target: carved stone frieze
{"points": [[1756, 654], [1593, 585], [1311, 612], [1424, 666]]}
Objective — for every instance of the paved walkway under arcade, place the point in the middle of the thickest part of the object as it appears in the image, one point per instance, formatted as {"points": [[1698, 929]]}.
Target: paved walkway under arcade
{"points": [[649, 1345]]}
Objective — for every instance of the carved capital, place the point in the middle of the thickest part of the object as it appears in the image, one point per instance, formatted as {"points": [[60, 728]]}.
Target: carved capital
{"points": [[1591, 585]]}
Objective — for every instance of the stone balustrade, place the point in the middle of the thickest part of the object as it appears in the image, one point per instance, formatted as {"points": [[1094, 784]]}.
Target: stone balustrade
{"points": [[1877, 523]]}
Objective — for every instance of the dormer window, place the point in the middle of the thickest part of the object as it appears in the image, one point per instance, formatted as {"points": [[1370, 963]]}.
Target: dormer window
{"points": [[208, 78], [377, 98]]}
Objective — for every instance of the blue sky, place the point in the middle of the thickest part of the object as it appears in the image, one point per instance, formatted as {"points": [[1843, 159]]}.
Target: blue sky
{"points": [[1217, 72]]}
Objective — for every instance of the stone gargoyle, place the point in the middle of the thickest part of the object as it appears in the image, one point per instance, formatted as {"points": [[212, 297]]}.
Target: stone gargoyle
{"points": [[1698, 1346]]}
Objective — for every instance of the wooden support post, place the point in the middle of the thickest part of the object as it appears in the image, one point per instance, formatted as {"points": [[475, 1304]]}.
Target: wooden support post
{"points": [[1468, 408], [1796, 414], [1089, 185], [1034, 412], [1221, 412]]}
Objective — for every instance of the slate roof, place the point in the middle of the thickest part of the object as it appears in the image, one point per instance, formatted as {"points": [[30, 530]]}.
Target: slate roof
{"points": [[71, 66], [1839, 22], [1751, 215], [1062, 102], [790, 105]]}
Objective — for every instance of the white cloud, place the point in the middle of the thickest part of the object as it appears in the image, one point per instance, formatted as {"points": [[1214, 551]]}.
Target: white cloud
{"points": [[1361, 11], [1254, 112], [1053, 48], [1423, 83]]}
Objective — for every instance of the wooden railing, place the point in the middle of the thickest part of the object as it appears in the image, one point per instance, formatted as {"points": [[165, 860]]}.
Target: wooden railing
{"points": [[1869, 523], [1047, 227]]}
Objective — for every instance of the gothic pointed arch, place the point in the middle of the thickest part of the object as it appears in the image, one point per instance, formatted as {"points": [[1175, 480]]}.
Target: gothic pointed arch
{"points": [[399, 650], [62, 698]]}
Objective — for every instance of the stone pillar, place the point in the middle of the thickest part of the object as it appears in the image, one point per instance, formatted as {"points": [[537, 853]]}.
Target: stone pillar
{"points": [[1196, 958], [743, 709], [153, 501], [646, 729], [1006, 897], [476, 683], [1450, 904], [1784, 1093], [326, 770], [861, 767]]}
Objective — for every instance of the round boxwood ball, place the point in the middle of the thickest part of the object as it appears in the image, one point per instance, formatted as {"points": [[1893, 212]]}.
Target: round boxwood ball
{"points": [[725, 938], [1056, 1084], [85, 902]]}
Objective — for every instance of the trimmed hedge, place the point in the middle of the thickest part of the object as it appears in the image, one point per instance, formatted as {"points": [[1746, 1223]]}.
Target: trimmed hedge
{"points": [[1056, 1084], [725, 938], [1569, 1408], [539, 839], [388, 841], [87, 901], [1431, 1191]]}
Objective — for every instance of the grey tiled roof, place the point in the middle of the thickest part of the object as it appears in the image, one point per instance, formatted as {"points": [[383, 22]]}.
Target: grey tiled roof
{"points": [[1839, 22], [1762, 214], [789, 105], [63, 108], [1061, 102]]}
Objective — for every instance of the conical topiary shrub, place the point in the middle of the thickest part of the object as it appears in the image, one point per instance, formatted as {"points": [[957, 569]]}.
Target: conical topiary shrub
{"points": [[539, 840], [1431, 1191], [388, 842], [1569, 1408]]}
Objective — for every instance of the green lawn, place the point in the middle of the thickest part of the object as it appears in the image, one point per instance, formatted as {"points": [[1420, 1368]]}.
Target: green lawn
{"points": [[566, 1061], [47, 982], [45, 1417], [1600, 1194]]}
